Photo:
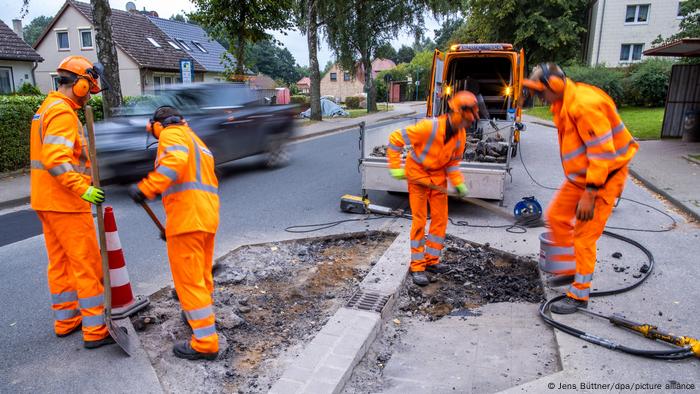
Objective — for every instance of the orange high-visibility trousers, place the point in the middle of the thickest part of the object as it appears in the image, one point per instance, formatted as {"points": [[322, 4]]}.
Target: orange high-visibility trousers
{"points": [[191, 257], [74, 273], [426, 251], [567, 231]]}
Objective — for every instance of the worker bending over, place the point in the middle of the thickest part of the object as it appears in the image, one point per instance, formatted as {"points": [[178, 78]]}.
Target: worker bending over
{"points": [[61, 194], [184, 175], [595, 149], [438, 145]]}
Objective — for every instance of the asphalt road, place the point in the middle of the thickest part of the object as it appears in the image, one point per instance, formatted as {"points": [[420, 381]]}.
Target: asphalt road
{"points": [[257, 204]]}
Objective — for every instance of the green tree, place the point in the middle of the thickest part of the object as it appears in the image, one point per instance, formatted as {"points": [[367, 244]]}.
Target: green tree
{"points": [[107, 55], [386, 51], [179, 17], [689, 26], [444, 33], [549, 30], [242, 22], [405, 54], [272, 60], [32, 30], [328, 66]]}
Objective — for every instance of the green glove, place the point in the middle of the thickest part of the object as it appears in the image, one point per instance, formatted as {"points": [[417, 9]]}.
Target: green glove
{"points": [[462, 189], [398, 173], [94, 195]]}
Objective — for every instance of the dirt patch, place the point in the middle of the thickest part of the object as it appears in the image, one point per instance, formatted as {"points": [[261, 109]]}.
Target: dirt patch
{"points": [[270, 299]]}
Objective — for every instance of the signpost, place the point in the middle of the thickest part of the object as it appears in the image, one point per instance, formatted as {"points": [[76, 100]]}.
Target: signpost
{"points": [[186, 71]]}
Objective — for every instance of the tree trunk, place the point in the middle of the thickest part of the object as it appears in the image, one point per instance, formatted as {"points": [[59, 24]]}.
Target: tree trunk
{"points": [[107, 55], [315, 74], [240, 51], [370, 87]]}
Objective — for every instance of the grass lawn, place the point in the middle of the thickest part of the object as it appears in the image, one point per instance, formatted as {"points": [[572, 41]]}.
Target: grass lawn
{"points": [[354, 113], [643, 123], [696, 157]]}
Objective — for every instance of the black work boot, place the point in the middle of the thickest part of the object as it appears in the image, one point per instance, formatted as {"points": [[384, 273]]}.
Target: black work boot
{"points": [[568, 306], [108, 340], [184, 350], [438, 268], [72, 330], [420, 278]]}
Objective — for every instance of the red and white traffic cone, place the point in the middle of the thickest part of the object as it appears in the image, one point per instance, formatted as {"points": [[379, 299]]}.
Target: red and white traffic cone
{"points": [[123, 302]]}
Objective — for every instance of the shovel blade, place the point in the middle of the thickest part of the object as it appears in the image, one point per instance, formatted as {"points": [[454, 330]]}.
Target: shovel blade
{"points": [[120, 337]]}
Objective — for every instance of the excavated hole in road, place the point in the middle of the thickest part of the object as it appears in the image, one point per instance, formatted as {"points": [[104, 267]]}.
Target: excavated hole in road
{"points": [[478, 275], [270, 300]]}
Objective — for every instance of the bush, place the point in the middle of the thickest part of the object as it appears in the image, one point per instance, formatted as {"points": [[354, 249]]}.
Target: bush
{"points": [[607, 79], [16, 114], [352, 102], [299, 99], [647, 83], [27, 89]]}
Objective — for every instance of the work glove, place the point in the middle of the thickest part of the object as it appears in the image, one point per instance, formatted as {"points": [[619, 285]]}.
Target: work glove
{"points": [[136, 194], [94, 195], [398, 173], [462, 190], [586, 205]]}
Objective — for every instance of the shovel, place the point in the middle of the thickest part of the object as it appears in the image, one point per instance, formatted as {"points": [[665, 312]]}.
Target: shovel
{"points": [[122, 338], [155, 219]]}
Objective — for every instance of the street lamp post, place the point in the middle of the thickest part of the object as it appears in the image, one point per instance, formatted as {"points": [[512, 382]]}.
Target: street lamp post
{"points": [[418, 71]]}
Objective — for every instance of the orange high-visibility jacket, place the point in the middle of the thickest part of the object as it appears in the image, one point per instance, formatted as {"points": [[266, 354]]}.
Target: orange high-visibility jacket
{"points": [[60, 165], [593, 140], [184, 175], [431, 156]]}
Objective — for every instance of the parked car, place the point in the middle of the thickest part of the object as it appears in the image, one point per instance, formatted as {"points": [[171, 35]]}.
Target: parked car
{"points": [[232, 119]]}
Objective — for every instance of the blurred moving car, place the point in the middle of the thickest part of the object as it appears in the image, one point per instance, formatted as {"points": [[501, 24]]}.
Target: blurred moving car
{"points": [[232, 119]]}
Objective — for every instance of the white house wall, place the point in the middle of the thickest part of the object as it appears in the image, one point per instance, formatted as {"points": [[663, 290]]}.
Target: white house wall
{"points": [[21, 72]]}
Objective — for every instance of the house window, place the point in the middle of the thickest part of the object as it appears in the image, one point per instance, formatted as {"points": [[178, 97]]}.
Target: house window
{"points": [[637, 13], [172, 44], [334, 77], [156, 82], [679, 13], [167, 80], [183, 44], [54, 81], [86, 39], [6, 82], [62, 40], [631, 52], [346, 76], [199, 46], [154, 42]]}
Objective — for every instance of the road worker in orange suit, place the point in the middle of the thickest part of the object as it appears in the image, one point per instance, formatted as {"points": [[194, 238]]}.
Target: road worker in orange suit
{"points": [[438, 145], [61, 194], [184, 176], [595, 149]]}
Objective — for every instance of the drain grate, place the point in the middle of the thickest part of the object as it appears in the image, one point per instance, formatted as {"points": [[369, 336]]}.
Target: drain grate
{"points": [[368, 301]]}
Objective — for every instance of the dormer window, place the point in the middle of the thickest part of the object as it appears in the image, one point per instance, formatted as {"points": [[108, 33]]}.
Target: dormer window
{"points": [[154, 42]]}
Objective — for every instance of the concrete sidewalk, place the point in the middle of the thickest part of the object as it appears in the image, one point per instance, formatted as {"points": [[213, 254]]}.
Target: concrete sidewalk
{"points": [[14, 190]]}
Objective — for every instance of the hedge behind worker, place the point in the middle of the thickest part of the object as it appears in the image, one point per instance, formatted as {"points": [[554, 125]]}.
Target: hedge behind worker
{"points": [[595, 148], [438, 145], [184, 175], [61, 194]]}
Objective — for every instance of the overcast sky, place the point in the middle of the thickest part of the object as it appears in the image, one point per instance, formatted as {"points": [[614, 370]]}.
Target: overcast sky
{"points": [[294, 41]]}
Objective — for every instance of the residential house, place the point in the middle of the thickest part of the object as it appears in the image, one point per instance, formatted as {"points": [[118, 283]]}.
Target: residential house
{"points": [[341, 84], [304, 85], [17, 59], [149, 49], [620, 30]]}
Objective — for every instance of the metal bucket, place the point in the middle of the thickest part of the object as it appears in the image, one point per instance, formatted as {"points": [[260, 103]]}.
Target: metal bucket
{"points": [[558, 260]]}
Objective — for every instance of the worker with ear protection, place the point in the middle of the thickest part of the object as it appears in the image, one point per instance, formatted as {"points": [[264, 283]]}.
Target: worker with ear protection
{"points": [[595, 149], [437, 148], [61, 194], [184, 176]]}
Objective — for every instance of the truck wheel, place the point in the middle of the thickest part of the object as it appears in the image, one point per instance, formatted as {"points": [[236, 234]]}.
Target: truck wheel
{"points": [[277, 154]]}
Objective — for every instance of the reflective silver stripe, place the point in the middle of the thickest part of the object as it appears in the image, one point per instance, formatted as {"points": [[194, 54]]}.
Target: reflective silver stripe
{"points": [[179, 148], [201, 333], [92, 321], [453, 169], [436, 239], [201, 313], [41, 122], [394, 147], [456, 152], [66, 296], [578, 278], [429, 144], [599, 140], [618, 128], [404, 135], [198, 159], [58, 140], [573, 154], [91, 302], [417, 256], [417, 244], [65, 314], [580, 293], [560, 251], [181, 187], [432, 251], [206, 151], [611, 155], [560, 266], [573, 176], [37, 165], [167, 171], [61, 169]]}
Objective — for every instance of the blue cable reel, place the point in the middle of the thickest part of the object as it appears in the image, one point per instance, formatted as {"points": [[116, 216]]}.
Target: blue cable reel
{"points": [[527, 209]]}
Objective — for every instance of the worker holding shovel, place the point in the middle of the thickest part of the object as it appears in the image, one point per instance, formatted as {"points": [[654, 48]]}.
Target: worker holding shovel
{"points": [[438, 145], [184, 176]]}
